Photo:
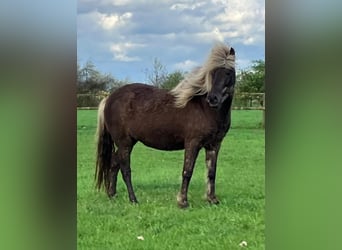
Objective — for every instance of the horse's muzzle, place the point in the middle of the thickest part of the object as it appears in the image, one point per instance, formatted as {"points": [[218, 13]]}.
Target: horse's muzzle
{"points": [[213, 101]]}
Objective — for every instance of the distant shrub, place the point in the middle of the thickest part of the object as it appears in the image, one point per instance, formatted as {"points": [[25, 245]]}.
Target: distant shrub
{"points": [[89, 100]]}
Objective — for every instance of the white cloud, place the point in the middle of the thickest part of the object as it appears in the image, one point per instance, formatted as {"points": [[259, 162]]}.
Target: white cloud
{"points": [[118, 2], [215, 35], [120, 51], [106, 2], [186, 65], [90, 21], [125, 58], [246, 17], [185, 6], [109, 22]]}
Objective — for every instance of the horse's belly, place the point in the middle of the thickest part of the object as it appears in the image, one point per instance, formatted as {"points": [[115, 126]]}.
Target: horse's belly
{"points": [[164, 146], [163, 142]]}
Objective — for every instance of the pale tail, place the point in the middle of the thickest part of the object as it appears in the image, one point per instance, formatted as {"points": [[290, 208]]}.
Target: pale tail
{"points": [[104, 149]]}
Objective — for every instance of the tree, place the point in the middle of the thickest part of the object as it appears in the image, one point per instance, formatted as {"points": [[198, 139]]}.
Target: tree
{"points": [[253, 79], [93, 86], [172, 80], [88, 72], [92, 81], [158, 74], [114, 83]]}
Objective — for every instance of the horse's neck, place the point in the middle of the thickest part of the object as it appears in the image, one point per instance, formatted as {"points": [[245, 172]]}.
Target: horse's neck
{"points": [[227, 104], [225, 109]]}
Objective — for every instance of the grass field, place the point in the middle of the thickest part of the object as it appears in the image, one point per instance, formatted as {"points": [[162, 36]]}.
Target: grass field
{"points": [[156, 176]]}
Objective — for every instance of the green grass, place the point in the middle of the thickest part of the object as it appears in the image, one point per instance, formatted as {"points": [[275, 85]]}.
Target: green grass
{"points": [[156, 175]]}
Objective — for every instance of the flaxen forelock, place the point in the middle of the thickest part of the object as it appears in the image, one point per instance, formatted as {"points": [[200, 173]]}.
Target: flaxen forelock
{"points": [[198, 81]]}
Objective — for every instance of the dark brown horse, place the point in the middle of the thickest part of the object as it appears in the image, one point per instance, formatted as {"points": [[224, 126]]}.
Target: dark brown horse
{"points": [[194, 115]]}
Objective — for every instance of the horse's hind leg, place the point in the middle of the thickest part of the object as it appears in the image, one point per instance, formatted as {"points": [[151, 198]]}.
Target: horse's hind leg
{"points": [[113, 174], [124, 155]]}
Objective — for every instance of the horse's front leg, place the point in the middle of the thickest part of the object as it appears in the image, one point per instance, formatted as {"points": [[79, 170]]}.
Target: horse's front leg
{"points": [[190, 155], [211, 161]]}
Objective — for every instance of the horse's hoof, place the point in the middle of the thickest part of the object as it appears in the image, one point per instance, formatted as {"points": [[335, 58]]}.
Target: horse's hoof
{"points": [[183, 204], [213, 201], [134, 201], [111, 194]]}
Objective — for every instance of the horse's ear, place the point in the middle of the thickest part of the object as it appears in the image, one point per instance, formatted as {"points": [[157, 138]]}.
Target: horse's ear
{"points": [[232, 52]]}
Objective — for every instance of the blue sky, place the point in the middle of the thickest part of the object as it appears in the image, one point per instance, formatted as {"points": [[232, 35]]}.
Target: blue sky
{"points": [[122, 37]]}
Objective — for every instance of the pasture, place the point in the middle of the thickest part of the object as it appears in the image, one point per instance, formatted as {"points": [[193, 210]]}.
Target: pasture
{"points": [[156, 176]]}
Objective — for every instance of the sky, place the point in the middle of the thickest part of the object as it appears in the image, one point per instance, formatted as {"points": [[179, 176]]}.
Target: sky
{"points": [[123, 37]]}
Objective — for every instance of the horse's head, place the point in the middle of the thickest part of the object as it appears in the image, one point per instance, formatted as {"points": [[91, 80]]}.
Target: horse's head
{"points": [[223, 82]]}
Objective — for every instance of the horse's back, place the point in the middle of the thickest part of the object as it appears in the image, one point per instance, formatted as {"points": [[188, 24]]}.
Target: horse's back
{"points": [[137, 98]]}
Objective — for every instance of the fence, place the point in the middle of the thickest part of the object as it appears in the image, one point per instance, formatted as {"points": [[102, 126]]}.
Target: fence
{"points": [[242, 101], [250, 101]]}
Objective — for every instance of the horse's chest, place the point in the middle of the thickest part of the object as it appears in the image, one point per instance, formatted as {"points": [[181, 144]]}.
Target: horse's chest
{"points": [[216, 133]]}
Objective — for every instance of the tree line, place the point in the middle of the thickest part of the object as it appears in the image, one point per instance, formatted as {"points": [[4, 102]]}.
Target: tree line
{"points": [[91, 82]]}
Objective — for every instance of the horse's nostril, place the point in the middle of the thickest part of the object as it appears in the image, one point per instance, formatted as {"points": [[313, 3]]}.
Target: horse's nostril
{"points": [[213, 100]]}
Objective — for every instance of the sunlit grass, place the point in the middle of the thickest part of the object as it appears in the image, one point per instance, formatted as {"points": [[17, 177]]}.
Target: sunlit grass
{"points": [[116, 224]]}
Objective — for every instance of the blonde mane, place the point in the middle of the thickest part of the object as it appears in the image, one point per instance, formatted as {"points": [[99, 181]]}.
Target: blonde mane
{"points": [[198, 81]]}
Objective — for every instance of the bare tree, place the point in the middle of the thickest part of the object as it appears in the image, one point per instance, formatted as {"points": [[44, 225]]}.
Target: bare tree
{"points": [[158, 75]]}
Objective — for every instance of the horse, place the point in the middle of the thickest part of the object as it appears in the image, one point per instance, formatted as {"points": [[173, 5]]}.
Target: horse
{"points": [[193, 115]]}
